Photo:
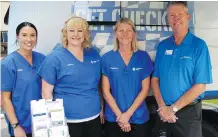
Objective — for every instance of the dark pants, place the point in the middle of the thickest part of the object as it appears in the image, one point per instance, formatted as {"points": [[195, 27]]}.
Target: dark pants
{"points": [[112, 129], [86, 129], [28, 135], [188, 124]]}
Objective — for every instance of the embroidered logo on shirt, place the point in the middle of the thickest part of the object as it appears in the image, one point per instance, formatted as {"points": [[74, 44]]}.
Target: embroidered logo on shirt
{"points": [[70, 64], [169, 52], [135, 69], [114, 68], [20, 70], [185, 57], [94, 61]]}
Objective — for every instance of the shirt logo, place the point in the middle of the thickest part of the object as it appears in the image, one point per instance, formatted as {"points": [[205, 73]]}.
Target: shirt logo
{"points": [[70, 65], [20, 70], [185, 57], [114, 68], [169, 52], [94, 61], [136, 69]]}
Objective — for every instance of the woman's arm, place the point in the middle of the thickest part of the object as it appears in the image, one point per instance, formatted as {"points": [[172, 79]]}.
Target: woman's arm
{"points": [[108, 97], [9, 110], [141, 96], [102, 102], [47, 90], [137, 102]]}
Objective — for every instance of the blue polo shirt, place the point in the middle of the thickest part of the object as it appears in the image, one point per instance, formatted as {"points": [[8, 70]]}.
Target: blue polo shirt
{"points": [[180, 67], [21, 79], [126, 82], [74, 81]]}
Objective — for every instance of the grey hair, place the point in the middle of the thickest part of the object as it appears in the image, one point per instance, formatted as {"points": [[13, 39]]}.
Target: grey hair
{"points": [[184, 3]]}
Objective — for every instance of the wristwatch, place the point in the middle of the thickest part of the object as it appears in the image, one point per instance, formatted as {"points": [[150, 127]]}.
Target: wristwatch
{"points": [[174, 108], [15, 125]]}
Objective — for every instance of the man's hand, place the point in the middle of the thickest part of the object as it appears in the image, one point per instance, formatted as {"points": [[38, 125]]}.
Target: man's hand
{"points": [[172, 119], [167, 115]]}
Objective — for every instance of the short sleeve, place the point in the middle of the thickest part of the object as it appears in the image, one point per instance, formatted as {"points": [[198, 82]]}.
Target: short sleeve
{"points": [[156, 63], [148, 66], [48, 69], [203, 68], [8, 77], [104, 66]]}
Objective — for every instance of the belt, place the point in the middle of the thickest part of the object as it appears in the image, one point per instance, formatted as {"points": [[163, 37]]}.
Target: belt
{"points": [[194, 102]]}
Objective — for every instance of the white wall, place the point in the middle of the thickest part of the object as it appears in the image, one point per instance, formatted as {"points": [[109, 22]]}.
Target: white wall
{"points": [[206, 27], [48, 23]]}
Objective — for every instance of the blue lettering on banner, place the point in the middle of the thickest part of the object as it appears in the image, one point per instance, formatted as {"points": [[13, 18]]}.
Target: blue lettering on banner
{"points": [[150, 19]]}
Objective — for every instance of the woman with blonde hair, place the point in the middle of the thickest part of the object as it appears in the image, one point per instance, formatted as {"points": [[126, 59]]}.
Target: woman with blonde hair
{"points": [[126, 80], [72, 73]]}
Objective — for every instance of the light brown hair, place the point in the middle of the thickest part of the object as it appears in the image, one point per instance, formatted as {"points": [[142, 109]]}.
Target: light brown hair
{"points": [[134, 44]]}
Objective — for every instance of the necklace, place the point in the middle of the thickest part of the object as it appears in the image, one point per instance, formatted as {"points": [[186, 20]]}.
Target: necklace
{"points": [[126, 53]]}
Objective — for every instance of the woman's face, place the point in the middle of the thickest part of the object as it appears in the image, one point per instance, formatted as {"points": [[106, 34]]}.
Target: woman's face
{"points": [[27, 38], [75, 36], [124, 34]]}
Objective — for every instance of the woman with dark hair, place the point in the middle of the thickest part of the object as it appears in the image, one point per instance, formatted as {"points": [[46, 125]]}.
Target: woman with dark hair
{"points": [[20, 83]]}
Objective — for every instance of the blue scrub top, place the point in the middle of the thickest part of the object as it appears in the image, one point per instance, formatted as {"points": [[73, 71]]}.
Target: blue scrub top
{"points": [[180, 67], [126, 82], [74, 81], [22, 80]]}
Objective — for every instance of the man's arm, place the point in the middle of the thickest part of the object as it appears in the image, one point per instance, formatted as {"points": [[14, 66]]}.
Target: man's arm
{"points": [[165, 112], [195, 91], [156, 91]]}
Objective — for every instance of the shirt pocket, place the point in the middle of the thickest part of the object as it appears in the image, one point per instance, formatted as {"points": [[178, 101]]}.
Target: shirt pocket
{"points": [[27, 75], [186, 62]]}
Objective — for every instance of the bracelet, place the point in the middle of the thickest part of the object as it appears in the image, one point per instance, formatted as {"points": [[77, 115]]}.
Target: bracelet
{"points": [[15, 125], [102, 108], [160, 108]]}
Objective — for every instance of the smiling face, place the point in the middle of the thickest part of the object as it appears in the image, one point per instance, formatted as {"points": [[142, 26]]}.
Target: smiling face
{"points": [[76, 33], [75, 36], [27, 38], [125, 34], [178, 18]]}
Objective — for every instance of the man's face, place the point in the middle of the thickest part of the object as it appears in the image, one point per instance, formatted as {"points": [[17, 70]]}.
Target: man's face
{"points": [[178, 18]]}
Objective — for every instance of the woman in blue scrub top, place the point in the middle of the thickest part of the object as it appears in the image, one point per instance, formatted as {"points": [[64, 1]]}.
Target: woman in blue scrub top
{"points": [[72, 73], [20, 83], [126, 79]]}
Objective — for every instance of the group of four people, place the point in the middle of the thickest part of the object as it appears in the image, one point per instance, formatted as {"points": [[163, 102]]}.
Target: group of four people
{"points": [[73, 73]]}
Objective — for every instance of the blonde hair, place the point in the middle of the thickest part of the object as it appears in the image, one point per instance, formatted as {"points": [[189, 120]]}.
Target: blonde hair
{"points": [[78, 22], [134, 44]]}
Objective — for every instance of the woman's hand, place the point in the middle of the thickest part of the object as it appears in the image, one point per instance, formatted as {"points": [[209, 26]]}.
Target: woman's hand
{"points": [[19, 132], [102, 116], [126, 127], [124, 118]]}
